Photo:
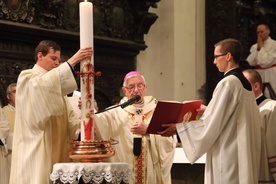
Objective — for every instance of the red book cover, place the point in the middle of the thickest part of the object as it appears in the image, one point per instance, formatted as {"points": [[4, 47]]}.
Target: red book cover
{"points": [[172, 112]]}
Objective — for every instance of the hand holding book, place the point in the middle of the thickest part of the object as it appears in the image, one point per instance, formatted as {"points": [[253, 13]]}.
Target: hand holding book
{"points": [[201, 109], [169, 112]]}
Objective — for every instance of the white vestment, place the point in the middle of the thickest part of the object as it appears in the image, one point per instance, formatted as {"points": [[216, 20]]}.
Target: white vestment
{"points": [[159, 151], [229, 132], [9, 111], [268, 155], [4, 162], [44, 123], [265, 59]]}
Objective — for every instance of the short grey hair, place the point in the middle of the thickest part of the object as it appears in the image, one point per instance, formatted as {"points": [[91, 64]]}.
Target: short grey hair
{"points": [[133, 74], [9, 88]]}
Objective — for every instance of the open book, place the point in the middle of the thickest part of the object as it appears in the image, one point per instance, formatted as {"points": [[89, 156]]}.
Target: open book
{"points": [[172, 112]]}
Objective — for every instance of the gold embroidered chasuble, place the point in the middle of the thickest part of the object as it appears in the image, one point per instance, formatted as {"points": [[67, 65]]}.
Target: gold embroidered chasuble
{"points": [[157, 151], [140, 113]]}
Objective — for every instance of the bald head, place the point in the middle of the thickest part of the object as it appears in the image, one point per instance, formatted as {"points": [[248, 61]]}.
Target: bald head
{"points": [[263, 31], [255, 80]]}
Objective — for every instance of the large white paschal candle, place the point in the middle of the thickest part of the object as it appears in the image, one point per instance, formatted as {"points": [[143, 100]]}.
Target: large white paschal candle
{"points": [[87, 72]]}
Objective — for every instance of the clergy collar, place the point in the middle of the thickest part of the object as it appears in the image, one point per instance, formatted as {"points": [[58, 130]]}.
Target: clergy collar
{"points": [[238, 73], [229, 71], [260, 99]]}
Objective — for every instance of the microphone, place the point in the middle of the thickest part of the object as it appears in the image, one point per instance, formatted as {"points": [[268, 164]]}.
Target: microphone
{"points": [[131, 101], [123, 105]]}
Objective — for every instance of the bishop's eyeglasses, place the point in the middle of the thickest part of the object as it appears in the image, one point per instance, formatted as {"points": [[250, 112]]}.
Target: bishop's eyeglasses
{"points": [[133, 87]]}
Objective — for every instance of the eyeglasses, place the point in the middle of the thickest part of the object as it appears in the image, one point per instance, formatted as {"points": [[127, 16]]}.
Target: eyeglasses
{"points": [[133, 87], [216, 56]]}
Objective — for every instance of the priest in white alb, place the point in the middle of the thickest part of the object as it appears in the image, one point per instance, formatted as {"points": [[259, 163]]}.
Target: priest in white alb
{"points": [[44, 121]]}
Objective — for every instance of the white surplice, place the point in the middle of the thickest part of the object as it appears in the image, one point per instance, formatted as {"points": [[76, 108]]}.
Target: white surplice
{"points": [[266, 59], [44, 123], [268, 155], [4, 162], [9, 111], [229, 132], [116, 123], [4, 126]]}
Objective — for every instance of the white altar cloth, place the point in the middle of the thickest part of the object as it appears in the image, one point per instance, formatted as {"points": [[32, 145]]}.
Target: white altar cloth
{"points": [[91, 172]]}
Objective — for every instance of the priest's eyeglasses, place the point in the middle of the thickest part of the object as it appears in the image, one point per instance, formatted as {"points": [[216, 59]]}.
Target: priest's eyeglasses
{"points": [[133, 87], [217, 56]]}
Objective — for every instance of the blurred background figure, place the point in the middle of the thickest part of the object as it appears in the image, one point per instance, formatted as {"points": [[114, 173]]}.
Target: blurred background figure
{"points": [[268, 127], [9, 111], [263, 57], [4, 162]]}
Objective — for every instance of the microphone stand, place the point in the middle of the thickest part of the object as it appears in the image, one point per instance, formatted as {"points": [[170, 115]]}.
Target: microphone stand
{"points": [[123, 105], [108, 108]]}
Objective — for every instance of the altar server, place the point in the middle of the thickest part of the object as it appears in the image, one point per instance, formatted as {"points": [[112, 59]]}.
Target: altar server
{"points": [[229, 129]]}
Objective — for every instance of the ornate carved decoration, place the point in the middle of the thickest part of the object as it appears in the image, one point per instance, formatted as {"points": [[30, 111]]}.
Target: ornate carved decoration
{"points": [[51, 12], [9, 70], [17, 10], [120, 19], [70, 16]]}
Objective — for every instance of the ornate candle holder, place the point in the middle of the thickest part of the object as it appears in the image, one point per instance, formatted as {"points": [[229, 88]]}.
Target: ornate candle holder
{"points": [[91, 151]]}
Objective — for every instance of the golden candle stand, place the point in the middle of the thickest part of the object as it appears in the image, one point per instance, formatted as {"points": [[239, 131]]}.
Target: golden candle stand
{"points": [[91, 151]]}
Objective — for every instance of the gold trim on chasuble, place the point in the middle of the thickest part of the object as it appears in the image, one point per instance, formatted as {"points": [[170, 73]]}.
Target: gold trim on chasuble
{"points": [[140, 161]]}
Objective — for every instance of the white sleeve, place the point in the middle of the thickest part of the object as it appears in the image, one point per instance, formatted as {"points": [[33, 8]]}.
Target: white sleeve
{"points": [[266, 57], [252, 56]]}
